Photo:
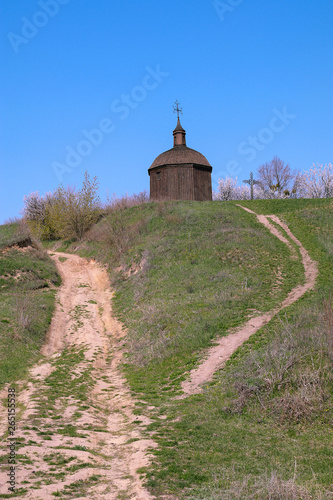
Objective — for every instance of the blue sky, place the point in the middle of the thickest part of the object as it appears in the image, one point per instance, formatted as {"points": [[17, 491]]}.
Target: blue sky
{"points": [[90, 85]]}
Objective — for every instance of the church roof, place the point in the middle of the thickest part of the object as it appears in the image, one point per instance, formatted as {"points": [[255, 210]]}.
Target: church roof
{"points": [[179, 155]]}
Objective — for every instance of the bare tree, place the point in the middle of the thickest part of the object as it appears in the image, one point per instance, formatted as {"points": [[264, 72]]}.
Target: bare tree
{"points": [[34, 207], [276, 178]]}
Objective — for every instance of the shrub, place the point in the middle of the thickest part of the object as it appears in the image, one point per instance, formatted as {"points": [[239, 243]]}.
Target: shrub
{"points": [[65, 213]]}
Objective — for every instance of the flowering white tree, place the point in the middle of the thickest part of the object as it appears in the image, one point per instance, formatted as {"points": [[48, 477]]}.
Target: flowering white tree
{"points": [[258, 192], [243, 193], [317, 182], [34, 206], [228, 189]]}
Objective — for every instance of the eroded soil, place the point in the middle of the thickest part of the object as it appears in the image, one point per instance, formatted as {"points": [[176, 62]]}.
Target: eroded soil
{"points": [[77, 434]]}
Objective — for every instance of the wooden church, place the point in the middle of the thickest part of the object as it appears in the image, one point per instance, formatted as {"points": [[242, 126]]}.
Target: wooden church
{"points": [[181, 173]]}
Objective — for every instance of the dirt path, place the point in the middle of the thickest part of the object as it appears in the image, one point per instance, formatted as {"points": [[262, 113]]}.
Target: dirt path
{"points": [[220, 353], [78, 432]]}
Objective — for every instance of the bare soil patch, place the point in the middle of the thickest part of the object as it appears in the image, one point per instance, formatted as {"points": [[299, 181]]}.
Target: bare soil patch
{"points": [[78, 434]]}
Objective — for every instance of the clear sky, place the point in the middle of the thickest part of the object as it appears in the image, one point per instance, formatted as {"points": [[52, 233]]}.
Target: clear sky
{"points": [[90, 85]]}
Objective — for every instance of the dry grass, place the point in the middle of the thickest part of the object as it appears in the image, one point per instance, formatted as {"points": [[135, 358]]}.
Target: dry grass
{"points": [[327, 318], [23, 313], [147, 347], [15, 233], [114, 233], [291, 376], [114, 203], [260, 488]]}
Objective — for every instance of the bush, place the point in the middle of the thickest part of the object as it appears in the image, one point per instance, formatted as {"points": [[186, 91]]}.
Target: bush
{"points": [[65, 213]]}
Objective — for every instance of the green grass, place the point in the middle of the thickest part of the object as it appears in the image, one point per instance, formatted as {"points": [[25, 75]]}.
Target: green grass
{"points": [[208, 268], [28, 281], [12, 234], [227, 435], [59, 386], [184, 273], [77, 488], [209, 265]]}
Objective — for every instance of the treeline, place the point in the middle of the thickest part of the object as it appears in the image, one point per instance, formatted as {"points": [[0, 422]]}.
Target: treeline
{"points": [[69, 213], [277, 180]]}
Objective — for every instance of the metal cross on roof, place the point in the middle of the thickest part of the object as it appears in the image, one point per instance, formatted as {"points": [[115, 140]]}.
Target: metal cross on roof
{"points": [[177, 109]]}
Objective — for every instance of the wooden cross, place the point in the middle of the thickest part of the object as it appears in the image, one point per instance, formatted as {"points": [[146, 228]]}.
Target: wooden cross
{"points": [[252, 182], [177, 109]]}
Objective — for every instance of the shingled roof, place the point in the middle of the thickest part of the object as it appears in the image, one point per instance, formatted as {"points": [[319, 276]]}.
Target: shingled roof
{"points": [[180, 155]]}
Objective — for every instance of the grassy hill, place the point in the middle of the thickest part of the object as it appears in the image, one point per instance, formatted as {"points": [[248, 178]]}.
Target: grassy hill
{"points": [[184, 274], [28, 281]]}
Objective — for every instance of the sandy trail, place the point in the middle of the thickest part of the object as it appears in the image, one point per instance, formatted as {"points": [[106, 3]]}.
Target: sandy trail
{"points": [[86, 441], [220, 353]]}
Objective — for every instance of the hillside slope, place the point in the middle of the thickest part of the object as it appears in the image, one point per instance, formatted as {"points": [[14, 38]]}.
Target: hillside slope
{"points": [[185, 274], [28, 284], [76, 434]]}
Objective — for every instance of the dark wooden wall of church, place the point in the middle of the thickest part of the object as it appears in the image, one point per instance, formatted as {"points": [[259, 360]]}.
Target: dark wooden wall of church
{"points": [[202, 184], [180, 182], [172, 183]]}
